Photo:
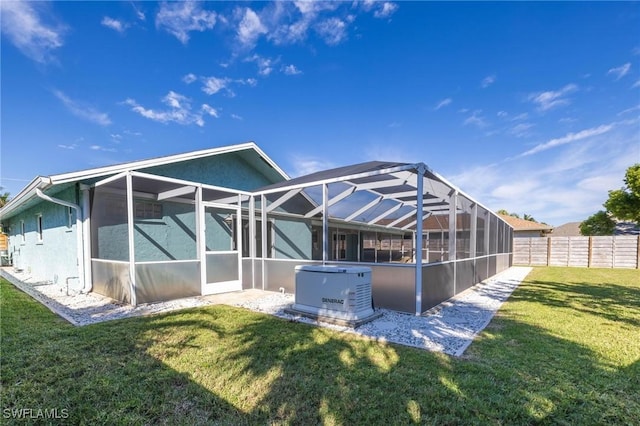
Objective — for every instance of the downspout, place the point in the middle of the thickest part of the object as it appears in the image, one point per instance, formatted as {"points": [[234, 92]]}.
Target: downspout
{"points": [[80, 247]]}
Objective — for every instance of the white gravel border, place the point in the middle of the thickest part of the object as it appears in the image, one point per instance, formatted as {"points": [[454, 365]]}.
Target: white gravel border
{"points": [[449, 328]]}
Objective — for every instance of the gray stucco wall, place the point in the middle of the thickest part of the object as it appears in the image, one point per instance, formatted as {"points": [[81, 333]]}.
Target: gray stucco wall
{"points": [[54, 259]]}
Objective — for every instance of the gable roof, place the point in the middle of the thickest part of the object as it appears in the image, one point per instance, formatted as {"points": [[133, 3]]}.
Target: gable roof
{"points": [[525, 225], [569, 229], [249, 151]]}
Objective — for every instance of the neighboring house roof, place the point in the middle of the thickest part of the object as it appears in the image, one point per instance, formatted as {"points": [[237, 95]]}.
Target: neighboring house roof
{"points": [[525, 225], [570, 229], [249, 151]]}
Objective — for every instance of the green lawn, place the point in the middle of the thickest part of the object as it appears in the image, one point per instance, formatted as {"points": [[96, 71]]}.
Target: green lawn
{"points": [[564, 349]]}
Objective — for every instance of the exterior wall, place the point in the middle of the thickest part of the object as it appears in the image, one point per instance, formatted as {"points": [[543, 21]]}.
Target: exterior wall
{"points": [[170, 238], [292, 239], [226, 170], [54, 259]]}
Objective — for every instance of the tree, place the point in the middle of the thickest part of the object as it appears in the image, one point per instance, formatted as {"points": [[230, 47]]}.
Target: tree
{"points": [[4, 198], [624, 203], [598, 224], [506, 213]]}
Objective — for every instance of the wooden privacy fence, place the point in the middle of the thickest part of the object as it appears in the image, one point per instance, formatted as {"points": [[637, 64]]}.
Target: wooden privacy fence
{"points": [[621, 251]]}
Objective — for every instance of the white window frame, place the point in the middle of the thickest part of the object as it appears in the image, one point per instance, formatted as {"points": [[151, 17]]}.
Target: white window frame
{"points": [[23, 234]]}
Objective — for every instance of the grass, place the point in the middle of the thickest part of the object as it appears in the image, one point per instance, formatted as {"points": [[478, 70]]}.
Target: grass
{"points": [[564, 349]]}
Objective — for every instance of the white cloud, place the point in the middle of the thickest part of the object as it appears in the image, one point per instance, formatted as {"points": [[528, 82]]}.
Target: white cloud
{"points": [[488, 81], [114, 24], [628, 110], [385, 9], [180, 18], [83, 111], [569, 185], [69, 147], [381, 9], [551, 99], [139, 14], [569, 138], [179, 110], [636, 84], [476, 119], [101, 148], [209, 110], [306, 165], [333, 30], [620, 71], [443, 103], [189, 78], [250, 28], [22, 22], [265, 65], [236, 117], [521, 130], [213, 85], [291, 70]]}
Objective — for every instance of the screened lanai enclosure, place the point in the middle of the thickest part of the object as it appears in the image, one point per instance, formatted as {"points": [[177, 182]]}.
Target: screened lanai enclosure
{"points": [[157, 238]]}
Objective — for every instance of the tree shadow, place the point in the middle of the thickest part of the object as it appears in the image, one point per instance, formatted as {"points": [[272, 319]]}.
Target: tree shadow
{"points": [[607, 300], [225, 365]]}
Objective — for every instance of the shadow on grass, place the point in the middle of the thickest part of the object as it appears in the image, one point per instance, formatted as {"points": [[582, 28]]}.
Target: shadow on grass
{"points": [[608, 300], [224, 365]]}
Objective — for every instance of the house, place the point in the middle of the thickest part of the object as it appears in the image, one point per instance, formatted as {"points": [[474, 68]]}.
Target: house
{"points": [[569, 229], [527, 228], [228, 218]]}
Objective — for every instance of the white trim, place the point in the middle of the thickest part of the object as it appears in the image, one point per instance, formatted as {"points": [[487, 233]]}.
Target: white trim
{"points": [[39, 229], [122, 262], [152, 262], [160, 161]]}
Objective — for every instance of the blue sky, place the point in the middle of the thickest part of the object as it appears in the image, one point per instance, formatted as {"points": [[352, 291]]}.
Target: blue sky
{"points": [[530, 107]]}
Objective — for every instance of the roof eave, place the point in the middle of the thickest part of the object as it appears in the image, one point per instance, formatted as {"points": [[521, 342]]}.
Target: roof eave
{"points": [[29, 192]]}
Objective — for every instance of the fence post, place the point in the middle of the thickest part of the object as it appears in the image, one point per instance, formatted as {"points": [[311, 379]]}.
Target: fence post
{"points": [[638, 254], [548, 250], [590, 252]]}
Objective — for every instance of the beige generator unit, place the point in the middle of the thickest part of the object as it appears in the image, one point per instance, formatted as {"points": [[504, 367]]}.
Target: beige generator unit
{"points": [[334, 293]]}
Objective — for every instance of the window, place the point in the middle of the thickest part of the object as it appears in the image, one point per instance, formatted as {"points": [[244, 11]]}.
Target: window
{"points": [[39, 227], [69, 217], [23, 235], [148, 210]]}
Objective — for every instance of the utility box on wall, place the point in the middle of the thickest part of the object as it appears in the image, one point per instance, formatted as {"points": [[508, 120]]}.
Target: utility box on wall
{"points": [[334, 293]]}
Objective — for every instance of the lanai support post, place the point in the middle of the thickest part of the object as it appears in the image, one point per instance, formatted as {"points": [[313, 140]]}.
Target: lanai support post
{"points": [[325, 223], [132, 246], [420, 171], [453, 237]]}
